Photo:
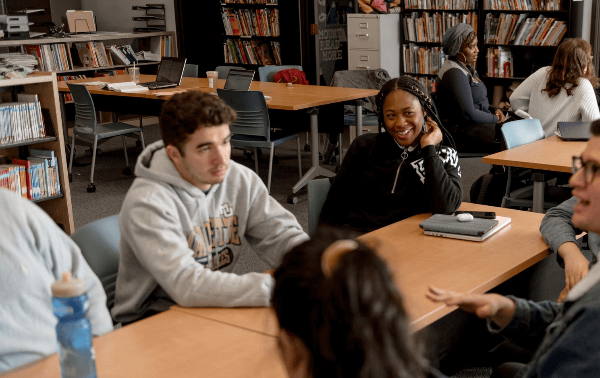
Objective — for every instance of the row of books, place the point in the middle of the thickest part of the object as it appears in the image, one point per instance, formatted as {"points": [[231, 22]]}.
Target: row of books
{"points": [[123, 54], [422, 60], [251, 22], [432, 27], [35, 178], [499, 62], [51, 57], [272, 2], [537, 5], [66, 78], [428, 83], [21, 121], [93, 54], [521, 30], [440, 4], [251, 52], [162, 47]]}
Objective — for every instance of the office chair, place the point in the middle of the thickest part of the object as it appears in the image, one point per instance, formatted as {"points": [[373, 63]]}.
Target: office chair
{"points": [[224, 70], [190, 70], [317, 194], [266, 73], [86, 127], [515, 134], [99, 244], [252, 129]]}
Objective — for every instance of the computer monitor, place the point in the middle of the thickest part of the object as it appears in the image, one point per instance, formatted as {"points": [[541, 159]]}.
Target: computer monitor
{"points": [[239, 80]]}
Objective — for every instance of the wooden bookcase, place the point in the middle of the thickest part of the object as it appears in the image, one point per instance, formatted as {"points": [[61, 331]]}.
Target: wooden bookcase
{"points": [[203, 35], [137, 40], [44, 86]]}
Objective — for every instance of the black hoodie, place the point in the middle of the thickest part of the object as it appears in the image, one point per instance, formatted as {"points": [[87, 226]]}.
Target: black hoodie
{"points": [[375, 187]]}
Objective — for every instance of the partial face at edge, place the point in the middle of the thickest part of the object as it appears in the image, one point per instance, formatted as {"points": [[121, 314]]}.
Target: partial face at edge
{"points": [[586, 213], [403, 117]]}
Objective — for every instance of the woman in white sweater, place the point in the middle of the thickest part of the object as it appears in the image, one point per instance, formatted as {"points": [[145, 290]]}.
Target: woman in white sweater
{"points": [[562, 92]]}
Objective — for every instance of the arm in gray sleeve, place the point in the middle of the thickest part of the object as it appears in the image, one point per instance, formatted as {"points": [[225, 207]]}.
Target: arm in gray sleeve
{"points": [[557, 227]]}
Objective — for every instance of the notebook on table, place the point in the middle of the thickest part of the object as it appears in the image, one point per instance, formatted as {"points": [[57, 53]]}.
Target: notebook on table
{"points": [[574, 130], [449, 226], [169, 74]]}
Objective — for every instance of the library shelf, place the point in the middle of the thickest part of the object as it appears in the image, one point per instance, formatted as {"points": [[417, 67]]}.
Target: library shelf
{"points": [[28, 142]]}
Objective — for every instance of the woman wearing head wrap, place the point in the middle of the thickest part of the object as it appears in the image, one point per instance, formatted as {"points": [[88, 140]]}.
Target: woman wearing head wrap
{"points": [[461, 95], [395, 174], [563, 92]]}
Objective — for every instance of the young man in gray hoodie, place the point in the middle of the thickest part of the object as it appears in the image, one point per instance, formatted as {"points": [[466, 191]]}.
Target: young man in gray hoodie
{"points": [[189, 210]]}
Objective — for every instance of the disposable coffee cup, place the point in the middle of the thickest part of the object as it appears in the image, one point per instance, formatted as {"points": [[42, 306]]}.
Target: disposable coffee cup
{"points": [[134, 74], [212, 76]]}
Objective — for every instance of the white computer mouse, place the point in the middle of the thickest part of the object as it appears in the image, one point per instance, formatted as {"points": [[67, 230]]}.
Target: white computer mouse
{"points": [[465, 217]]}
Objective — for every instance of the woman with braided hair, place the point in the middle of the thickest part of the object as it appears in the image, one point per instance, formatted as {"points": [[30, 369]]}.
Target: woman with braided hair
{"points": [[341, 315], [402, 171], [461, 96]]}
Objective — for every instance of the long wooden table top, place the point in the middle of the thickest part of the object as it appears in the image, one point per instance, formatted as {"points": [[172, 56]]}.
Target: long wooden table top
{"points": [[549, 154], [285, 98], [175, 344], [418, 261]]}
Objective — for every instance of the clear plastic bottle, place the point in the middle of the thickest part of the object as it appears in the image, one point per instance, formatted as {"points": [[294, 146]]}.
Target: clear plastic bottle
{"points": [[73, 331]]}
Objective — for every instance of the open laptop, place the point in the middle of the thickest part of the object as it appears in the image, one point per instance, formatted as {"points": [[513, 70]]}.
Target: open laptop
{"points": [[448, 226], [239, 80], [169, 74], [574, 130]]}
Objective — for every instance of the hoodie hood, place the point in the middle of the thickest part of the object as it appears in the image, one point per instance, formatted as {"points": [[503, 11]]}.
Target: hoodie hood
{"points": [[154, 164]]}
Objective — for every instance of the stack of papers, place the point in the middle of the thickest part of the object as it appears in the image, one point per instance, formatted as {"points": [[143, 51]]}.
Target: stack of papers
{"points": [[128, 87]]}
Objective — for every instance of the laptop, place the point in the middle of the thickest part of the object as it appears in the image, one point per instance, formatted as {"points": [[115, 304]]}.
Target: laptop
{"points": [[239, 80], [448, 226], [169, 75], [574, 130]]}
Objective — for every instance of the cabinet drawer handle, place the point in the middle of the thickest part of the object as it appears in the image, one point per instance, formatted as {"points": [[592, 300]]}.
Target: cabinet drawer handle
{"points": [[363, 25], [362, 35], [363, 67], [364, 58]]}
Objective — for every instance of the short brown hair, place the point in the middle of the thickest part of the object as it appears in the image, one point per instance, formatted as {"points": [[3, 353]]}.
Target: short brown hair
{"points": [[572, 58], [185, 112]]}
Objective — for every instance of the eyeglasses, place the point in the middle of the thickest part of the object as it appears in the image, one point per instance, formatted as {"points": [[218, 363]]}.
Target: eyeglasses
{"points": [[589, 169]]}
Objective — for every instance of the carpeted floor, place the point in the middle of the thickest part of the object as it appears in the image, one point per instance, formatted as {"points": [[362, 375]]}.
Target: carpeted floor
{"points": [[112, 185]]}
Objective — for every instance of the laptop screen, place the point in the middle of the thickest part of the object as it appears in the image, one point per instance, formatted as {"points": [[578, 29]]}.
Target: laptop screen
{"points": [[575, 130], [239, 80], [171, 70]]}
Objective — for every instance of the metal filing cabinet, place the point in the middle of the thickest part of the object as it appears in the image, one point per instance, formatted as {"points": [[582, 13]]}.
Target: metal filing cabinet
{"points": [[374, 42]]}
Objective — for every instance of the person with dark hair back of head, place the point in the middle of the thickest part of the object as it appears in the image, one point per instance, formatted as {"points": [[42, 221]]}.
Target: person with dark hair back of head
{"points": [[563, 92], [393, 175], [461, 95], [341, 315], [187, 213], [564, 336]]}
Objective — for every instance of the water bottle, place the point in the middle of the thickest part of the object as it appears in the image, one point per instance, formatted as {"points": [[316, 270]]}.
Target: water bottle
{"points": [[73, 331]]}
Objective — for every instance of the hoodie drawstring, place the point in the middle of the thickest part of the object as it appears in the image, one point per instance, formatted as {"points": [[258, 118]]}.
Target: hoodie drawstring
{"points": [[404, 156]]}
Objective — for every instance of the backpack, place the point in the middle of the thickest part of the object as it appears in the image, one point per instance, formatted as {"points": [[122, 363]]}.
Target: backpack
{"points": [[290, 75], [489, 189]]}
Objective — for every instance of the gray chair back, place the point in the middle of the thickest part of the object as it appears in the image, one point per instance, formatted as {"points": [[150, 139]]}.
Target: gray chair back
{"points": [[99, 244], [190, 70], [317, 194], [266, 73], [252, 113], [85, 112], [224, 70]]}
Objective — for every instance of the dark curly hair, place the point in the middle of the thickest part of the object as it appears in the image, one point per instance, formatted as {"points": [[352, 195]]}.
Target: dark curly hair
{"points": [[185, 112], [573, 57], [409, 84], [468, 39], [352, 321]]}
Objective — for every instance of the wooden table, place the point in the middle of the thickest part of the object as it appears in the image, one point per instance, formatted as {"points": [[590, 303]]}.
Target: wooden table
{"points": [[418, 261], [297, 97], [549, 154], [176, 344]]}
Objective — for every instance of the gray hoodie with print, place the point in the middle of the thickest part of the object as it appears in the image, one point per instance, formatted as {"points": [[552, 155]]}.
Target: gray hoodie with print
{"points": [[180, 245]]}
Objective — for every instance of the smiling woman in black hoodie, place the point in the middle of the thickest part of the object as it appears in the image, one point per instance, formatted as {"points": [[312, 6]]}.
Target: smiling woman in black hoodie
{"points": [[392, 175]]}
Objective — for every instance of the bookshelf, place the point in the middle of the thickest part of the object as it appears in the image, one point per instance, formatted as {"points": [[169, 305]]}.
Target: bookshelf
{"points": [[422, 31], [249, 33], [44, 85], [62, 48]]}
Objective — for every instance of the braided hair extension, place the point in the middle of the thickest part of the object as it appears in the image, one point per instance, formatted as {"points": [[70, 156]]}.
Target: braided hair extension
{"points": [[408, 84]]}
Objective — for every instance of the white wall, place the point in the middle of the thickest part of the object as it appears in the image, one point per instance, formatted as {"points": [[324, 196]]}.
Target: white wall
{"points": [[586, 27], [115, 15]]}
